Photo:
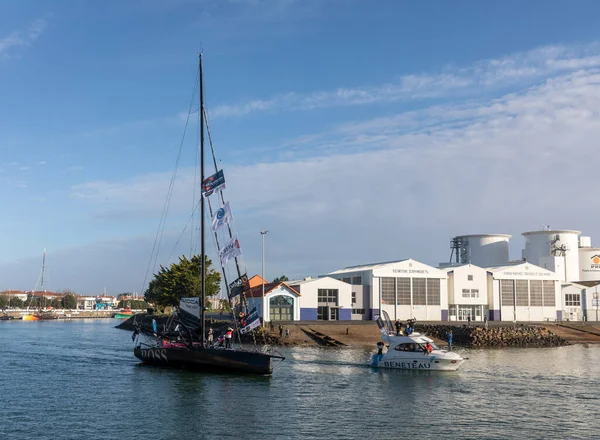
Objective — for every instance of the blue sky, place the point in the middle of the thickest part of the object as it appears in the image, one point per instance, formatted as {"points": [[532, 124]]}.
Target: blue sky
{"points": [[353, 131]]}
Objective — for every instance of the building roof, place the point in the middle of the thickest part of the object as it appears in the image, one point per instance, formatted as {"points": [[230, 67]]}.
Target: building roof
{"points": [[310, 280], [256, 280], [484, 235], [370, 266], [552, 231], [256, 291]]}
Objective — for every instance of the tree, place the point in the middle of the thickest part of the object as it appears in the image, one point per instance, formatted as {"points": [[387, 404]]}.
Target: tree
{"points": [[69, 301], [182, 280], [132, 304], [280, 279], [16, 302], [3, 301]]}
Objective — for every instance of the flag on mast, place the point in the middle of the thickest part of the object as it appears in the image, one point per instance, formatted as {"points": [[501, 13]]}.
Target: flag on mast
{"points": [[230, 250], [222, 217], [216, 182]]}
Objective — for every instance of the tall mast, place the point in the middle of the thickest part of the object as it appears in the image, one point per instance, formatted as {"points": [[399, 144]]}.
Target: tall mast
{"points": [[202, 268], [42, 281]]}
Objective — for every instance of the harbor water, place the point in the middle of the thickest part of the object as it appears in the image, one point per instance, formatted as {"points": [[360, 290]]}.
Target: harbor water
{"points": [[79, 380]]}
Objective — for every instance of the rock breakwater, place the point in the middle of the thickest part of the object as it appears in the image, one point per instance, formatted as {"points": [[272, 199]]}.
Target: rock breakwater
{"points": [[479, 337]]}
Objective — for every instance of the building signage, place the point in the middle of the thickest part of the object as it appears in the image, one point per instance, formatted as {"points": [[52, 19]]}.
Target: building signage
{"points": [[422, 271], [527, 274], [594, 262]]}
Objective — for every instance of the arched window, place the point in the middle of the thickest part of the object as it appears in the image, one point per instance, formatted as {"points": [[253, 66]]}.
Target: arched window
{"points": [[281, 308]]}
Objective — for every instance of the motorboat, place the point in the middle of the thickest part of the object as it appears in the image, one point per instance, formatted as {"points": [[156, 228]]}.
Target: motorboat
{"points": [[412, 351]]}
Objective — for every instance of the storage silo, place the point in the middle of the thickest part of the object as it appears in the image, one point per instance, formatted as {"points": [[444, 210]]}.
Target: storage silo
{"points": [[548, 247], [483, 250]]}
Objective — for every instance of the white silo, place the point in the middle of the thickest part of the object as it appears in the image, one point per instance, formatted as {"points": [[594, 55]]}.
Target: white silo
{"points": [[549, 248], [483, 250]]}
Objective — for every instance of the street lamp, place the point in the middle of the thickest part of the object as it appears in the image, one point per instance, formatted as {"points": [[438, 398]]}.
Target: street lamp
{"points": [[262, 236], [596, 302]]}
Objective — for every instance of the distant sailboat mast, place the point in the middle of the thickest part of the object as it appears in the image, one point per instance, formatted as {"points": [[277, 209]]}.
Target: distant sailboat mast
{"points": [[202, 250]]}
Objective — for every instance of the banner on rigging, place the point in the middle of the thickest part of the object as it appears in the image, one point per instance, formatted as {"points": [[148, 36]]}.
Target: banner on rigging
{"points": [[252, 321], [230, 250], [189, 311], [216, 182], [238, 286], [222, 217]]}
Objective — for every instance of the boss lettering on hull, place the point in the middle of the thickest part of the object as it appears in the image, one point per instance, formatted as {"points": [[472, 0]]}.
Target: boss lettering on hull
{"points": [[156, 353]]}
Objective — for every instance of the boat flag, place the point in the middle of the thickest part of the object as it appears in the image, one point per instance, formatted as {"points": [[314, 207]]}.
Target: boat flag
{"points": [[222, 217], [252, 321], [230, 250], [238, 286], [216, 182]]}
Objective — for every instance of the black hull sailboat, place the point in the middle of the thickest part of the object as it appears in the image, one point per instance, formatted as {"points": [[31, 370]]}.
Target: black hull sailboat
{"points": [[182, 343], [216, 360]]}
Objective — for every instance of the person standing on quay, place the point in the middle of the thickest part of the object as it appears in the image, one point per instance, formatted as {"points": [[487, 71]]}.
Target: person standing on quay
{"points": [[287, 333], [468, 320], [449, 339], [280, 331], [398, 327], [485, 322]]}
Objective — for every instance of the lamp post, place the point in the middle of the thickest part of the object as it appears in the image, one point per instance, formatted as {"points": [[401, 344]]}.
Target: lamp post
{"points": [[596, 302], [262, 236]]}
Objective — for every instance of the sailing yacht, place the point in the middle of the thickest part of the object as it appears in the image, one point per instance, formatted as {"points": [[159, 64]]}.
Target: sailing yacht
{"points": [[182, 342], [40, 315]]}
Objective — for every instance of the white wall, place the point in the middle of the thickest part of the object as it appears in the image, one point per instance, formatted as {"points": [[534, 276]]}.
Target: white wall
{"points": [[309, 292], [458, 279], [279, 290]]}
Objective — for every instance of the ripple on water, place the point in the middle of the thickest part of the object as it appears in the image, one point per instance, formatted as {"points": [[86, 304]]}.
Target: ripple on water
{"points": [[79, 379]]}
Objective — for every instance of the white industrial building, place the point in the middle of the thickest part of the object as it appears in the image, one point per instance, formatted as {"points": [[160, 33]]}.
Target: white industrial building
{"points": [[467, 293], [325, 298], [565, 252], [524, 292], [557, 279], [404, 289]]}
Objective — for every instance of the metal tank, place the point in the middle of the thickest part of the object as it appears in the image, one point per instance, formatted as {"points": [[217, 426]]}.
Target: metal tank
{"points": [[483, 250], [548, 247], [589, 264]]}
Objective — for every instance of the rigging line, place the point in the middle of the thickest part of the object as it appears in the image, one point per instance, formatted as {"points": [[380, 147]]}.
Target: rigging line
{"points": [[163, 219], [237, 266], [196, 165], [190, 220], [243, 298]]}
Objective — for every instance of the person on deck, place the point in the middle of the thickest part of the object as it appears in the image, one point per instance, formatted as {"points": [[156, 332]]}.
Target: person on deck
{"points": [[228, 336], [398, 327], [449, 339], [210, 336], [428, 348]]}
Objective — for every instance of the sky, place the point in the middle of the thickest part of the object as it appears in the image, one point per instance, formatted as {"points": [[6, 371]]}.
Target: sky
{"points": [[353, 131]]}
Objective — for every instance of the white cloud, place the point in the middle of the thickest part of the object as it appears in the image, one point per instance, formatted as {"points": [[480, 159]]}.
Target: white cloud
{"points": [[402, 186], [497, 73], [22, 38]]}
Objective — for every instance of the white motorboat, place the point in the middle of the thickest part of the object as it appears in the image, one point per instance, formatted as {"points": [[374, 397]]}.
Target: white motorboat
{"points": [[410, 352]]}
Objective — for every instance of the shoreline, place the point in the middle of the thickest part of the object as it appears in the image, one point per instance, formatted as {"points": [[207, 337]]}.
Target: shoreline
{"points": [[366, 334]]}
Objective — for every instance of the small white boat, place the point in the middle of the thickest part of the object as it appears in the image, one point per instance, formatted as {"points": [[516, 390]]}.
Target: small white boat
{"points": [[409, 352]]}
